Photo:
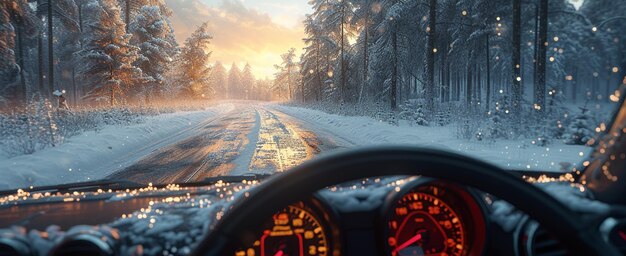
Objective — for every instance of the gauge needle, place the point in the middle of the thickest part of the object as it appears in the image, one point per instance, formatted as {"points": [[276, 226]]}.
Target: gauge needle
{"points": [[279, 253], [409, 242]]}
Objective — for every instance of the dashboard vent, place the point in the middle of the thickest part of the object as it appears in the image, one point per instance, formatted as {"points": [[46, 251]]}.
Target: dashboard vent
{"points": [[13, 247], [83, 244], [544, 244]]}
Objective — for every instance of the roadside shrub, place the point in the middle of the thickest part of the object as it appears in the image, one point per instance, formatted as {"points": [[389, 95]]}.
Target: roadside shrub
{"points": [[39, 125]]}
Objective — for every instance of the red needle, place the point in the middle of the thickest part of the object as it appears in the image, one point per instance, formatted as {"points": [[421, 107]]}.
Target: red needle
{"points": [[279, 253], [409, 242]]}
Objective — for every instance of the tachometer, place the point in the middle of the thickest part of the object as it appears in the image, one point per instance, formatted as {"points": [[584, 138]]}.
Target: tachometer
{"points": [[425, 225], [434, 220], [293, 231]]}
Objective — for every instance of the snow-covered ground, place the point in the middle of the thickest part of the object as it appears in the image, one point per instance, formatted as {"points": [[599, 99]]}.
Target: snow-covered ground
{"points": [[95, 154], [509, 154], [240, 137]]}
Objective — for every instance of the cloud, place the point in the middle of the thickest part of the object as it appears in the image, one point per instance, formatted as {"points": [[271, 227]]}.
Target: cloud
{"points": [[240, 34]]}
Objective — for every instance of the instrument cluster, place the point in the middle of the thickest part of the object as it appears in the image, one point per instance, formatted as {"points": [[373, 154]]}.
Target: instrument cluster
{"points": [[422, 217]]}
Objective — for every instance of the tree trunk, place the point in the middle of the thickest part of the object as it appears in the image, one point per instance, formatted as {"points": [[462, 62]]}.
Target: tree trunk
{"points": [[394, 71], [536, 50], [80, 16], [365, 64], [540, 64], [40, 68], [112, 90], [317, 70], [80, 26], [127, 14], [468, 88], [289, 81], [302, 90], [50, 47], [516, 61], [448, 81], [343, 68], [457, 86], [478, 85], [488, 73], [20, 62], [430, 58], [440, 74], [40, 72], [74, 87], [575, 83]]}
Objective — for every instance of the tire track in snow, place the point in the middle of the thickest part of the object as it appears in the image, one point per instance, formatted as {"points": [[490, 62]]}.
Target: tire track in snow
{"points": [[279, 146], [209, 153], [244, 159], [316, 135], [137, 154], [247, 139]]}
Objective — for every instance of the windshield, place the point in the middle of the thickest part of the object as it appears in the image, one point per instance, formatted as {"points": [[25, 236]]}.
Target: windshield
{"points": [[176, 91]]}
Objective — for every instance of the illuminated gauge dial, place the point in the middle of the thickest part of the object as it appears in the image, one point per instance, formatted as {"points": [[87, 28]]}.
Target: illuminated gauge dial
{"points": [[424, 224], [291, 232]]}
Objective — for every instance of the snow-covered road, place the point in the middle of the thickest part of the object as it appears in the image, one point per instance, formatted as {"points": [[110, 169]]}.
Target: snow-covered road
{"points": [[237, 138], [251, 138]]}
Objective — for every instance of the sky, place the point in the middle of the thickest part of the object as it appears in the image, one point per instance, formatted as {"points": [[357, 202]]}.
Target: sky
{"points": [[244, 31], [247, 31]]}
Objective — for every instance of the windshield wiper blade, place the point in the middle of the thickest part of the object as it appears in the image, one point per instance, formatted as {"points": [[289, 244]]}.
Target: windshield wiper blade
{"points": [[78, 186]]}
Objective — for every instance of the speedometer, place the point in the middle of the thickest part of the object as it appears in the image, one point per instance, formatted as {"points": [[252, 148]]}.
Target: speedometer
{"points": [[293, 231], [424, 224], [434, 219]]}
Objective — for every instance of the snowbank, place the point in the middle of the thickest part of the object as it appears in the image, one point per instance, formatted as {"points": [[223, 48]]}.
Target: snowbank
{"points": [[95, 154], [509, 154]]}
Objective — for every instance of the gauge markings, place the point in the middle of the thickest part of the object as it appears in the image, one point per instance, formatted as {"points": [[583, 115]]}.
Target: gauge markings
{"points": [[423, 224], [292, 231]]}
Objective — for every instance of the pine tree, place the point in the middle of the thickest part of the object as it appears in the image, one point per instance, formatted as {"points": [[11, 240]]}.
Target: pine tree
{"points": [[151, 32], [17, 22], [499, 117], [554, 118], [337, 23], [263, 88], [107, 56], [234, 82], [414, 113], [313, 58], [287, 75], [218, 80], [8, 67], [580, 130], [248, 82], [194, 61]]}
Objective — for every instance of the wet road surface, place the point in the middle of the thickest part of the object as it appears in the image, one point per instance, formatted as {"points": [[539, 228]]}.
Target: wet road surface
{"points": [[251, 138]]}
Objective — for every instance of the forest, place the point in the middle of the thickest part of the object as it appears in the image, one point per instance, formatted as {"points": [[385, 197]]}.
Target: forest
{"points": [[495, 69], [501, 69], [108, 52]]}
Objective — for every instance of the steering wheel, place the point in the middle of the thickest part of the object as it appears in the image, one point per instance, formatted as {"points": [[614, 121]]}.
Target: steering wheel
{"points": [[283, 189]]}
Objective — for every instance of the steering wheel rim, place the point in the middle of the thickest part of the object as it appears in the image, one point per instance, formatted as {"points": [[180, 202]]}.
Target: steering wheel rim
{"points": [[302, 181]]}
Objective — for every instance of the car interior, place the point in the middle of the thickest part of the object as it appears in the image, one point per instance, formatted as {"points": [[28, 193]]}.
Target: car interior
{"points": [[382, 127], [386, 200]]}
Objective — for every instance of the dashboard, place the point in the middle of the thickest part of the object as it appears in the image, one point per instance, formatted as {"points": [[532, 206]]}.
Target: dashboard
{"points": [[373, 216], [419, 217]]}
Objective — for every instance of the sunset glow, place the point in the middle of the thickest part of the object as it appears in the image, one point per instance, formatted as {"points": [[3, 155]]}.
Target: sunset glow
{"points": [[256, 32]]}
